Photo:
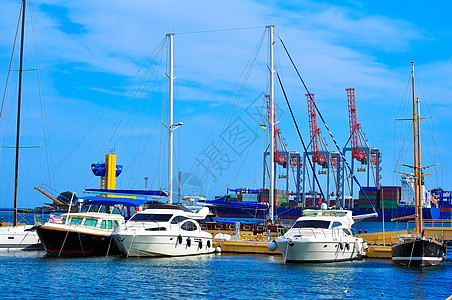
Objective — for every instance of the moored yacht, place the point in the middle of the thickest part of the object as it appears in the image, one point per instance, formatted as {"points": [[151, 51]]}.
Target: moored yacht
{"points": [[164, 230], [19, 237], [321, 236], [88, 232], [415, 249]]}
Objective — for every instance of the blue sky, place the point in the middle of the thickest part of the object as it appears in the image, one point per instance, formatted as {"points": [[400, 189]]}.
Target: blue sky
{"points": [[89, 52]]}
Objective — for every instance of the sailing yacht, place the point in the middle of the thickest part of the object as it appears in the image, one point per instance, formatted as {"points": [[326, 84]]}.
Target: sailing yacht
{"points": [[19, 237], [415, 249], [165, 229]]}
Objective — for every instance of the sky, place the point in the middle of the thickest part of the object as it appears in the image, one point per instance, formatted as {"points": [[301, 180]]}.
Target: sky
{"points": [[101, 86]]}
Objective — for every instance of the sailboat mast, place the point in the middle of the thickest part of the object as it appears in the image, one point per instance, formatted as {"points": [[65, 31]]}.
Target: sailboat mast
{"points": [[19, 98], [272, 127], [415, 163], [419, 165], [170, 121]]}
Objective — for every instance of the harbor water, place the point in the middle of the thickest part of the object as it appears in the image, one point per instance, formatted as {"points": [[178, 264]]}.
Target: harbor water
{"points": [[32, 275]]}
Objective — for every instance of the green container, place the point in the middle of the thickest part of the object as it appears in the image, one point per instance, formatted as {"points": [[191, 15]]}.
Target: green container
{"points": [[372, 197], [364, 206]]}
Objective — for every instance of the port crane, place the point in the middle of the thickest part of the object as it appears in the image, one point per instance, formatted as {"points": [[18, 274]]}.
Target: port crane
{"points": [[286, 159], [368, 157], [328, 160]]}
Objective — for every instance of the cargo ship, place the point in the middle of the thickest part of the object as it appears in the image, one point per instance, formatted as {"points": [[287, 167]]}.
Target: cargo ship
{"points": [[391, 202]]}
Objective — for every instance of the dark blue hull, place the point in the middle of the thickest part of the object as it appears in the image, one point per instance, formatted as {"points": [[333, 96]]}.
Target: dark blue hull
{"points": [[237, 209]]}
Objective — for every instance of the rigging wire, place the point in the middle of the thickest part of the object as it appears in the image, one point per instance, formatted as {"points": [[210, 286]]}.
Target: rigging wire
{"points": [[82, 139], [10, 63], [326, 126], [237, 90], [301, 138], [44, 120]]}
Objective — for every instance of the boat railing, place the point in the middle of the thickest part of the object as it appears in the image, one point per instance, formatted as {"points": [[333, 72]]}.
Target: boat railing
{"points": [[334, 232], [440, 229], [146, 226]]}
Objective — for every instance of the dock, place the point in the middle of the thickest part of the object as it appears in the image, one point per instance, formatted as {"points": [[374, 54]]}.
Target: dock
{"points": [[379, 243], [246, 243]]}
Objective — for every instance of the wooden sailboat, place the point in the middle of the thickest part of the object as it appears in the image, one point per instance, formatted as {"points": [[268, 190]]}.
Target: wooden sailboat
{"points": [[415, 249]]}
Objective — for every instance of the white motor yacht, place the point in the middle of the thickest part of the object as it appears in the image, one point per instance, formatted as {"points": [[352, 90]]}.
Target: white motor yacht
{"points": [[164, 230], [321, 236]]}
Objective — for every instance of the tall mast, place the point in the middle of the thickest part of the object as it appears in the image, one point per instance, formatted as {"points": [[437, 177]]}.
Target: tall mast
{"points": [[272, 126], [415, 163], [19, 97], [419, 165], [170, 121]]}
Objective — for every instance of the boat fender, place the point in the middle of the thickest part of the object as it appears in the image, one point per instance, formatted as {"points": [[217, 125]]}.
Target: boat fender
{"points": [[341, 246], [290, 243], [179, 239], [200, 244], [365, 245], [208, 244], [218, 249], [188, 242], [272, 246], [347, 246]]}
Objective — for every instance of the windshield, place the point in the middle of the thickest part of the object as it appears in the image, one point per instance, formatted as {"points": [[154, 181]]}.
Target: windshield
{"points": [[311, 224], [151, 217]]}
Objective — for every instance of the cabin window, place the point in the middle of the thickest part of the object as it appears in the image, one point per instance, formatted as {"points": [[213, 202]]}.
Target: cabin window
{"points": [[91, 222], [218, 226], [76, 221], [189, 226], [336, 224], [178, 219], [347, 232], [151, 217], [107, 224], [115, 225], [311, 224]]}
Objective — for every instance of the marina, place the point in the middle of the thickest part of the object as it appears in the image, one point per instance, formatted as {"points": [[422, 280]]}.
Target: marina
{"points": [[233, 162]]}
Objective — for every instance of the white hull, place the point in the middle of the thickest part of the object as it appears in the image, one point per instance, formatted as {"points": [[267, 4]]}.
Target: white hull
{"points": [[163, 243], [13, 238], [320, 250]]}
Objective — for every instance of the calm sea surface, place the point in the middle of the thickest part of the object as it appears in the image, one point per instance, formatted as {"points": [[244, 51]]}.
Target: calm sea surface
{"points": [[216, 276], [32, 275]]}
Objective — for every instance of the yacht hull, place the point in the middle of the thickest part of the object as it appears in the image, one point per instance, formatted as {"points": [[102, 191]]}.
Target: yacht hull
{"points": [[421, 252], [150, 244], [307, 250], [65, 242], [13, 238]]}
